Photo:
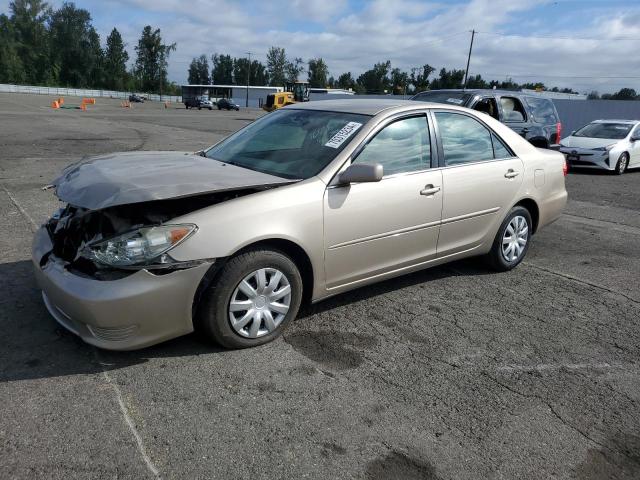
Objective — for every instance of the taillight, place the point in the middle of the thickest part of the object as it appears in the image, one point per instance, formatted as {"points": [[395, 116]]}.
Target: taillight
{"points": [[565, 168], [558, 132]]}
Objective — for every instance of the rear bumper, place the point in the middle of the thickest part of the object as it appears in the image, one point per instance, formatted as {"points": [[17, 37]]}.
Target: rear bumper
{"points": [[125, 314], [552, 208]]}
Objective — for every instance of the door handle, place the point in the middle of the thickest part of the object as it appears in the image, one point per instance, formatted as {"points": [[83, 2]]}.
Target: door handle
{"points": [[429, 190], [511, 173]]}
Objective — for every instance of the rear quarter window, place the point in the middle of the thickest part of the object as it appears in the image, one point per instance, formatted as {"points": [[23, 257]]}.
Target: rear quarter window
{"points": [[542, 110]]}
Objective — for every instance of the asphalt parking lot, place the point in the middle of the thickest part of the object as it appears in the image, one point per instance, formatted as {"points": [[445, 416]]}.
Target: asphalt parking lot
{"points": [[450, 373]]}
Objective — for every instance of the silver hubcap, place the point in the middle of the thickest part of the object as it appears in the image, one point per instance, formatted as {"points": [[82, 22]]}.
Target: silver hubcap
{"points": [[623, 163], [515, 238], [259, 303]]}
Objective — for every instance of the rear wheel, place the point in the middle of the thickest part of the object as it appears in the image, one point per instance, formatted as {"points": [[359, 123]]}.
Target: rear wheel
{"points": [[623, 163], [512, 240], [255, 296]]}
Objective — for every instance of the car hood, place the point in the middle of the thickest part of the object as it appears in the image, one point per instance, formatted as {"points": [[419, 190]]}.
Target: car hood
{"points": [[587, 142], [134, 177]]}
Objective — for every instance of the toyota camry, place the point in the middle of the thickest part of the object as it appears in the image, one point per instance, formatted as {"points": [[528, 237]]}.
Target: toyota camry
{"points": [[307, 202]]}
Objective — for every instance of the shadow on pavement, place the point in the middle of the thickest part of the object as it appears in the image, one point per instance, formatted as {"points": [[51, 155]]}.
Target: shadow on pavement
{"points": [[36, 346]]}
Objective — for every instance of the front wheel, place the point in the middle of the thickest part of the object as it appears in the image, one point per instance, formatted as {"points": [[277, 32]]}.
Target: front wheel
{"points": [[254, 297], [622, 164], [512, 240]]}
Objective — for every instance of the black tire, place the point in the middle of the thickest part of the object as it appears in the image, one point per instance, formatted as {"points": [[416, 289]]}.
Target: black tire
{"points": [[495, 257], [213, 316], [622, 164], [210, 108], [199, 108], [219, 108], [187, 107]]}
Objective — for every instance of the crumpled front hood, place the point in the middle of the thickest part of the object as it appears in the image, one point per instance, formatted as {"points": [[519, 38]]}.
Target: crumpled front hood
{"points": [[134, 177]]}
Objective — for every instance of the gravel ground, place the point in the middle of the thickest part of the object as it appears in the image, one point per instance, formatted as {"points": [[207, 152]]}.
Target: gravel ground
{"points": [[450, 373]]}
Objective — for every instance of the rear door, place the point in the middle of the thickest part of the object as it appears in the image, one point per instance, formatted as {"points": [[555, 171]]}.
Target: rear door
{"points": [[514, 115], [375, 228], [480, 179]]}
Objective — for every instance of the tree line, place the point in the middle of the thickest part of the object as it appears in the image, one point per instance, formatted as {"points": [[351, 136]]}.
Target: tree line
{"points": [[381, 79], [43, 46]]}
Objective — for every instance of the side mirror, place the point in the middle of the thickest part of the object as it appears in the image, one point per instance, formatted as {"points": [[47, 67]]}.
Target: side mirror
{"points": [[572, 132], [361, 173], [635, 138]]}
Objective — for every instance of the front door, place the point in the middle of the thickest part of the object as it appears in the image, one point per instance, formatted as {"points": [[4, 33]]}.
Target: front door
{"points": [[375, 228], [480, 179]]}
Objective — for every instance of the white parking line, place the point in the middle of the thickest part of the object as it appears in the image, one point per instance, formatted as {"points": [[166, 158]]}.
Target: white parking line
{"points": [[34, 225], [557, 366], [129, 421]]}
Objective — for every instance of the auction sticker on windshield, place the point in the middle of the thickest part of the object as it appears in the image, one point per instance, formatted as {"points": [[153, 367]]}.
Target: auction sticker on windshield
{"points": [[344, 133]]}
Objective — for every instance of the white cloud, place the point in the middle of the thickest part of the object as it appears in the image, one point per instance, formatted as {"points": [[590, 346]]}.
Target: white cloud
{"points": [[408, 32]]}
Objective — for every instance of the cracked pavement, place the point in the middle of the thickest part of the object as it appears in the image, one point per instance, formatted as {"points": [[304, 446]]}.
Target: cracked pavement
{"points": [[450, 373]]}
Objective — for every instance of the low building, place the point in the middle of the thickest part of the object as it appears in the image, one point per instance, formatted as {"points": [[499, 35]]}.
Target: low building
{"points": [[256, 95]]}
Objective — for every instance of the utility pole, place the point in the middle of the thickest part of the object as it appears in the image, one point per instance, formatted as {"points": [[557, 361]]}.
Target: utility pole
{"points": [[466, 72], [248, 76]]}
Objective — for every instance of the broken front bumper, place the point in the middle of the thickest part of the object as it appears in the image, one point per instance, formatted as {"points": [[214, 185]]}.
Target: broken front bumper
{"points": [[136, 311]]}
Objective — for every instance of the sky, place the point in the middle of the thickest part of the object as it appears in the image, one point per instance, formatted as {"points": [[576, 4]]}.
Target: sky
{"points": [[584, 44]]}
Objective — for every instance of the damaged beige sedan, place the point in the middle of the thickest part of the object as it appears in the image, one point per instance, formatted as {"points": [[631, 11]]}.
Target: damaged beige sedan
{"points": [[307, 202]]}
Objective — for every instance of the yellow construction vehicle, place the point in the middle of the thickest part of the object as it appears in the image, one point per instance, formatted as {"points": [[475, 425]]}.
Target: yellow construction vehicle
{"points": [[294, 92]]}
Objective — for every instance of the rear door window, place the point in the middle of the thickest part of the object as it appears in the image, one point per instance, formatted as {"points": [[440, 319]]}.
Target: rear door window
{"points": [[512, 109], [464, 139], [542, 110]]}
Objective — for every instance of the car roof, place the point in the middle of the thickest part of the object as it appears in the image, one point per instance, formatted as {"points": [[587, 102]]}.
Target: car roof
{"points": [[364, 106], [474, 91], [616, 120]]}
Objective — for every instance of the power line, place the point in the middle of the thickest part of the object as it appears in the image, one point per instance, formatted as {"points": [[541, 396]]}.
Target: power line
{"points": [[536, 75], [555, 37]]}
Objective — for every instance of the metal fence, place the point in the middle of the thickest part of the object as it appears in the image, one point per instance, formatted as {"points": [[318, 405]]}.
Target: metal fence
{"points": [[82, 92], [573, 113]]}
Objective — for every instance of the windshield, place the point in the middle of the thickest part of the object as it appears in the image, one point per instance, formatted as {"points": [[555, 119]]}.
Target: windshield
{"points": [[616, 131], [452, 98], [289, 143]]}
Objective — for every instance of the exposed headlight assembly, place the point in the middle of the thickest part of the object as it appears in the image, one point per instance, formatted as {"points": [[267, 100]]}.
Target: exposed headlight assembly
{"points": [[143, 247]]}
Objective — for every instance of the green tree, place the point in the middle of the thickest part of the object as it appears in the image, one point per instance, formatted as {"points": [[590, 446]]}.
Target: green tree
{"points": [[276, 66], [399, 81], [318, 72], [75, 47], [625, 94], [151, 61], [221, 69], [448, 79], [240, 71], [199, 71], [29, 18], [115, 62], [259, 74], [594, 95], [11, 68], [377, 79], [294, 69], [346, 81], [419, 77], [476, 81]]}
